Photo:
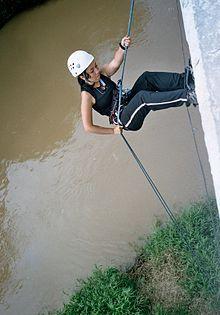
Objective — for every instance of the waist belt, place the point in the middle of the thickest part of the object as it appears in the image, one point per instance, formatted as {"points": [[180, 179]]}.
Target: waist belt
{"points": [[113, 118]]}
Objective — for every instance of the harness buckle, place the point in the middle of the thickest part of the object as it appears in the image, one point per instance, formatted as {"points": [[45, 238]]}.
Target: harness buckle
{"points": [[113, 118]]}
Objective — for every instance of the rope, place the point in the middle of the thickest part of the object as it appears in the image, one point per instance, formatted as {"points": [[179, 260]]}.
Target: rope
{"points": [[167, 209], [188, 112], [169, 212], [217, 231], [120, 82], [180, 230], [197, 151], [163, 202]]}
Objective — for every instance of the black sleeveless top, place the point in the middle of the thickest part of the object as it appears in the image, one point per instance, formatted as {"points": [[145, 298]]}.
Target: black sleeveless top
{"points": [[103, 97]]}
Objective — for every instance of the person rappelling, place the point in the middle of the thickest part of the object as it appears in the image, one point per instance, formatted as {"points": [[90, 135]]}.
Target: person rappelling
{"points": [[151, 92]]}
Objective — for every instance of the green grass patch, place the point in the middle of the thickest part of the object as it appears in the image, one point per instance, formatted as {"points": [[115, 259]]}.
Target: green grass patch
{"points": [[167, 278], [184, 270], [106, 292]]}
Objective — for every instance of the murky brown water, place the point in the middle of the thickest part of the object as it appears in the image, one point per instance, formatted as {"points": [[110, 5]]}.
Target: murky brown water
{"points": [[69, 200]]}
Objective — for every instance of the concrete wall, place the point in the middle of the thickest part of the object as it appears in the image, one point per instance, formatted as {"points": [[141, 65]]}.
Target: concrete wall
{"points": [[202, 24]]}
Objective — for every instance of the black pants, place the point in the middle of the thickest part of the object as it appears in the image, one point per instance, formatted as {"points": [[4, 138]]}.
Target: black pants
{"points": [[152, 91]]}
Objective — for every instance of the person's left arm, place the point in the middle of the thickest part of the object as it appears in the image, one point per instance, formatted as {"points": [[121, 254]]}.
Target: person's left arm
{"points": [[112, 67]]}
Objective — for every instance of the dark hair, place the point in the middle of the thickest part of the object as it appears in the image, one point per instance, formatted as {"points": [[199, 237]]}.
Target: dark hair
{"points": [[82, 82]]}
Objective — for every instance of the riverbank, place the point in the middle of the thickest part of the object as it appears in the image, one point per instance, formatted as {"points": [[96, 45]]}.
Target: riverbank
{"points": [[10, 8], [166, 278]]}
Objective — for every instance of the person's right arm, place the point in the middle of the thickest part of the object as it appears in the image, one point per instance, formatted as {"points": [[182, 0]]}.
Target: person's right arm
{"points": [[86, 111]]}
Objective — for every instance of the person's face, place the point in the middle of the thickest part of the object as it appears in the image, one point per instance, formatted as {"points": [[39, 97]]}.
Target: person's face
{"points": [[93, 72]]}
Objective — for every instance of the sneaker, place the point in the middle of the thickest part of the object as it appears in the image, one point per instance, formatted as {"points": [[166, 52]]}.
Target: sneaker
{"points": [[189, 79], [191, 99]]}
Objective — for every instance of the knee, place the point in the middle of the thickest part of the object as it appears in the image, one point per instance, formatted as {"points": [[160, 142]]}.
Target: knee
{"points": [[145, 74]]}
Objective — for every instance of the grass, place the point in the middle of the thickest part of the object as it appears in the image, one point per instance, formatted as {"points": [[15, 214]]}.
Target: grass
{"points": [[167, 278], [106, 292], [177, 276]]}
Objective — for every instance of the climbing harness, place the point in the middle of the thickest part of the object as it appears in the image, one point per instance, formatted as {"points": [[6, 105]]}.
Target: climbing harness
{"points": [[114, 117]]}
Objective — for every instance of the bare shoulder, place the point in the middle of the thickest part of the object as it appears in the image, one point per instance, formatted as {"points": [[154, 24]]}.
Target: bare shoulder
{"points": [[87, 98]]}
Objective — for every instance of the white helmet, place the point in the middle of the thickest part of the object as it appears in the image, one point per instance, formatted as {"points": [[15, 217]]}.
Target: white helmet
{"points": [[78, 62]]}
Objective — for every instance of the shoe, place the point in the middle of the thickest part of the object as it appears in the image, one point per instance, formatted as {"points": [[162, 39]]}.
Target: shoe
{"points": [[189, 79], [191, 99]]}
